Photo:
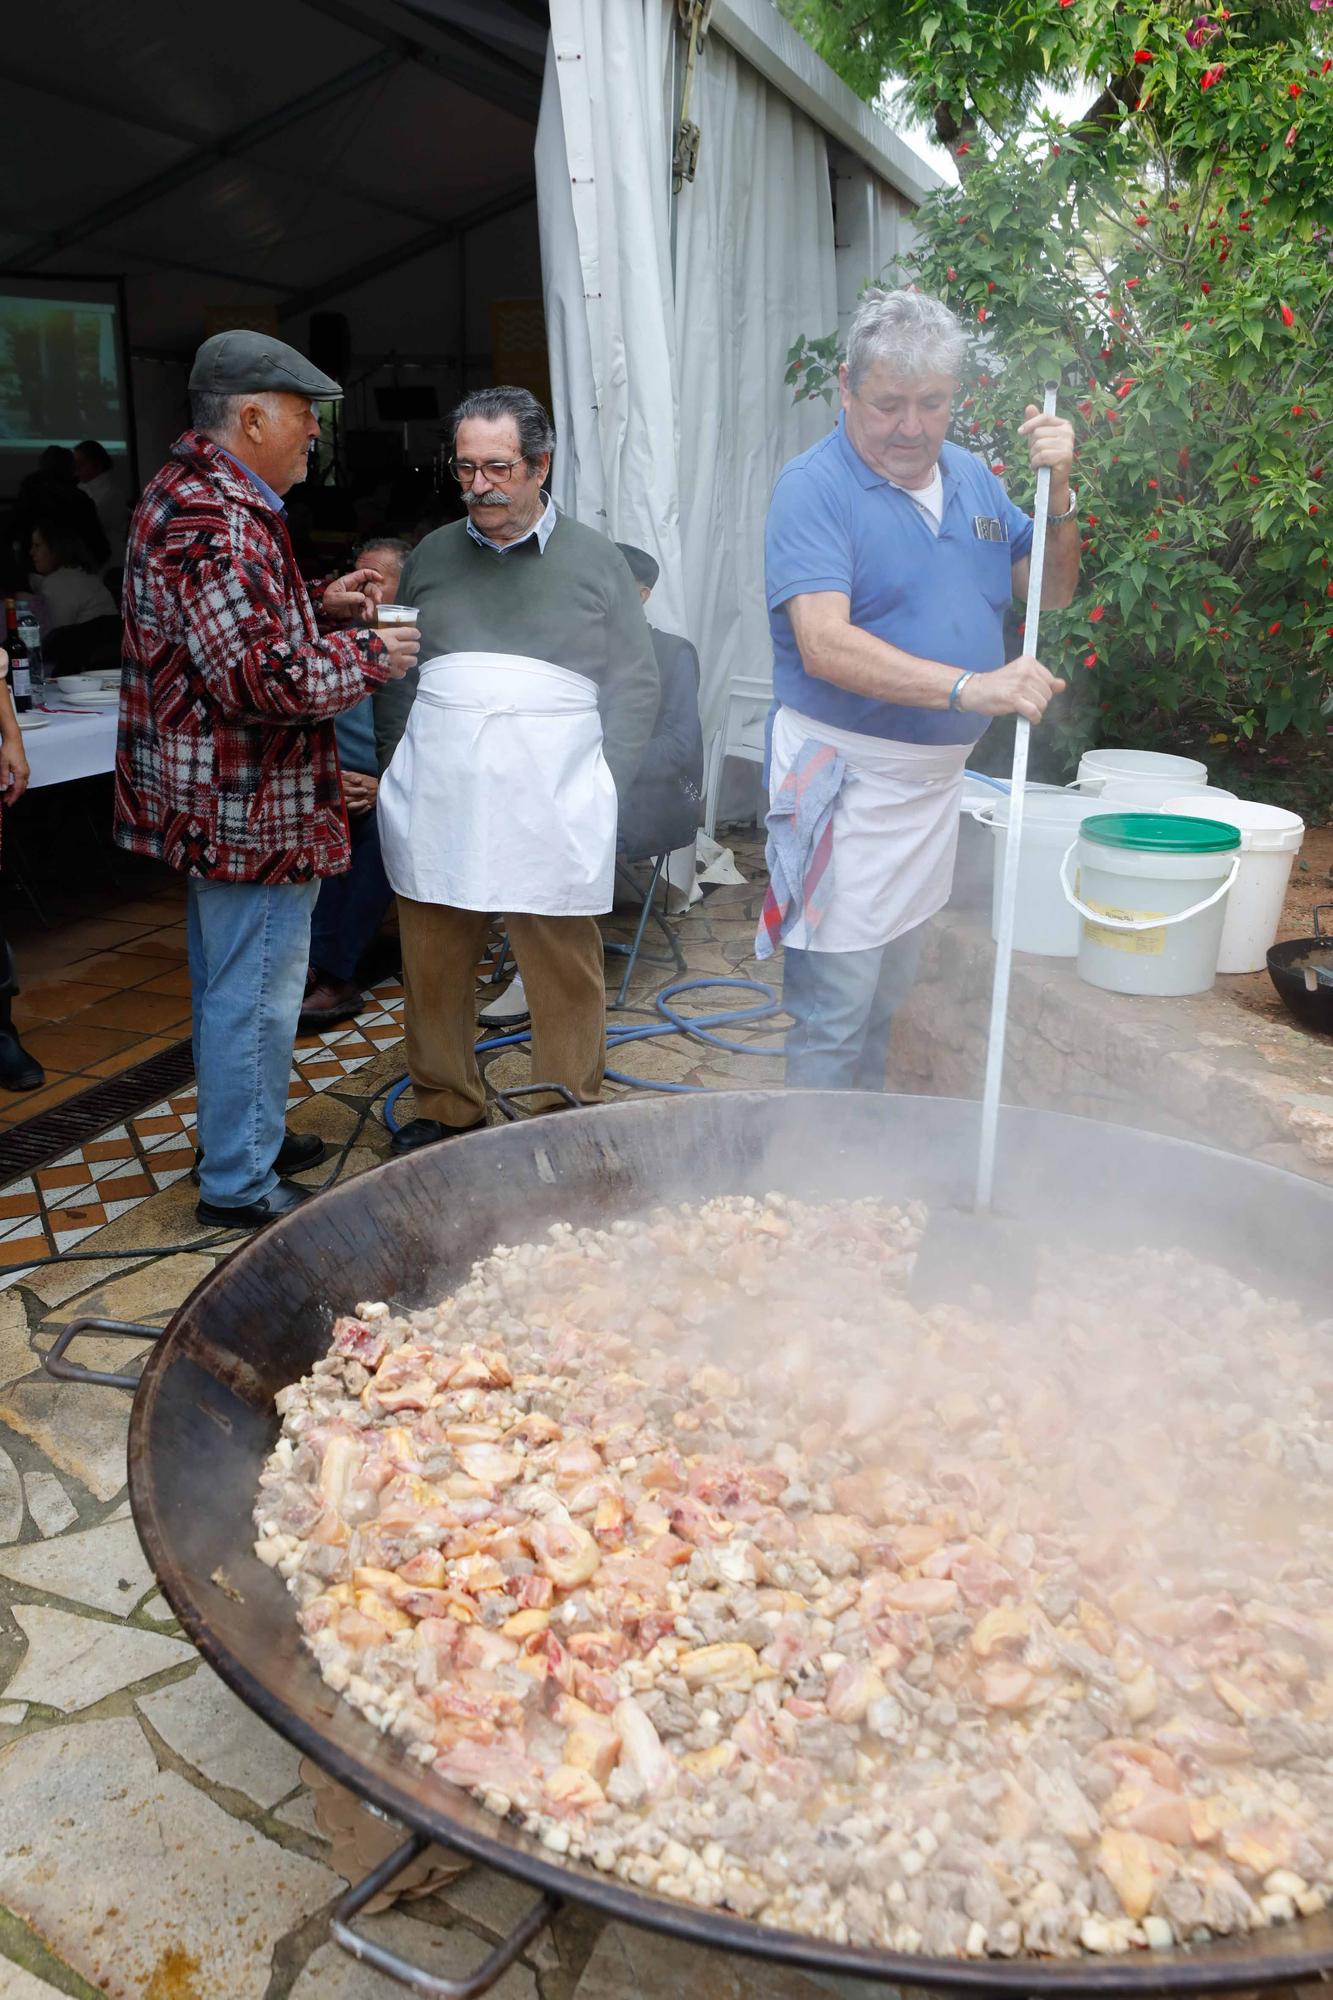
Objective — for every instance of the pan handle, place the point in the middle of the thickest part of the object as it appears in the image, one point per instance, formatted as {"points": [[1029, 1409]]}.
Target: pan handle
{"points": [[1318, 910], [428, 1984], [55, 1363], [505, 1098]]}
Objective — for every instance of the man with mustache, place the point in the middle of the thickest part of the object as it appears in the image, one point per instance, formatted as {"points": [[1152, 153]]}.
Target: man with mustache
{"points": [[502, 760]]}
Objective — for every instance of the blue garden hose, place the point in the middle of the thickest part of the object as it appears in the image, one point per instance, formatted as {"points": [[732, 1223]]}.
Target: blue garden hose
{"points": [[698, 1027]]}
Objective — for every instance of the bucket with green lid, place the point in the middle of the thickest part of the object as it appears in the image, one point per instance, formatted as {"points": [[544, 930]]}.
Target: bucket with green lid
{"points": [[1150, 890]]}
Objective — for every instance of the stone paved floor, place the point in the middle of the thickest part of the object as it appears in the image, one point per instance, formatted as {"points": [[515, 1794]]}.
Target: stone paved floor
{"points": [[156, 1841]]}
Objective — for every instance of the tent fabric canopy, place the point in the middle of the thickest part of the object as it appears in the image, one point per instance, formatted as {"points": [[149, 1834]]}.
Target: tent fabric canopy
{"points": [[267, 153], [667, 372]]}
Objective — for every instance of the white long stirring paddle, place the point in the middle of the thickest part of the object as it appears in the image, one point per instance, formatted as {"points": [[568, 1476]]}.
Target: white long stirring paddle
{"points": [[1004, 944]]}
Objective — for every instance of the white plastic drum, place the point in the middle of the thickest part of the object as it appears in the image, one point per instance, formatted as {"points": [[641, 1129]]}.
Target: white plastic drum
{"points": [[1043, 920], [1096, 766], [1270, 840], [1144, 794], [1151, 890]]}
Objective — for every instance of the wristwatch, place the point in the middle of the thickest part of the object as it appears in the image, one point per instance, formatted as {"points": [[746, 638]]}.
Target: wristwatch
{"points": [[1054, 520]]}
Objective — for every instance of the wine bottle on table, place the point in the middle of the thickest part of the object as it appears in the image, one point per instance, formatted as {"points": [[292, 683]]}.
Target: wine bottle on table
{"points": [[20, 663]]}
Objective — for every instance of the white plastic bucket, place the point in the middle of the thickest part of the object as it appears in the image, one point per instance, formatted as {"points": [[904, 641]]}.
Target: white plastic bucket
{"points": [[1270, 840], [1152, 905], [1096, 766], [1122, 794], [1043, 920]]}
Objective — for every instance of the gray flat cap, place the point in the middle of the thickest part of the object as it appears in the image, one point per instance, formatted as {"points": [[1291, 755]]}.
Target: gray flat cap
{"points": [[244, 363], [645, 568]]}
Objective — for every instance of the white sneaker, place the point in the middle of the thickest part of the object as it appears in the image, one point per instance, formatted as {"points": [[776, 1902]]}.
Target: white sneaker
{"points": [[509, 1009]]}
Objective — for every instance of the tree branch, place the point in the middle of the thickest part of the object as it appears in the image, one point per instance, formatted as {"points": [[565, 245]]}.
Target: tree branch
{"points": [[1103, 115]]}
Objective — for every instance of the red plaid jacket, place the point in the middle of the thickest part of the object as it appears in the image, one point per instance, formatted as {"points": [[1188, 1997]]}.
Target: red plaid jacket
{"points": [[226, 765]]}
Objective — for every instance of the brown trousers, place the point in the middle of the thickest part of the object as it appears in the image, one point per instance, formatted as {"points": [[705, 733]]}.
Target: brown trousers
{"points": [[560, 959]]}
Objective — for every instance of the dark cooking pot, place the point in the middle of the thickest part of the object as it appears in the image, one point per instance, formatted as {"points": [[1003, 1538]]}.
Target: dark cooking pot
{"points": [[203, 1420], [1307, 989]]}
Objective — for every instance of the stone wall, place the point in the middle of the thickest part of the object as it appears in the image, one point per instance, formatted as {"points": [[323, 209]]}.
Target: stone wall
{"points": [[1207, 1068]]}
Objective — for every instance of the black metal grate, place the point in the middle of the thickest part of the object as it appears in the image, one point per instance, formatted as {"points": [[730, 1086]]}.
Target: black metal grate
{"points": [[73, 1123]]}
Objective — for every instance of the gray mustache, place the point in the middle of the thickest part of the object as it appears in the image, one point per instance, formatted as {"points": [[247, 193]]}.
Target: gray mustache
{"points": [[494, 498]]}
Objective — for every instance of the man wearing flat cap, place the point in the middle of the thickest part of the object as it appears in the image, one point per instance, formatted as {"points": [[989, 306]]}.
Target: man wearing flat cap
{"points": [[226, 766]]}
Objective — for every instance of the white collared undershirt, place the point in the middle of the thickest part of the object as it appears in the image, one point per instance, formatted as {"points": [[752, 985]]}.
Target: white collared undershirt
{"points": [[929, 498]]}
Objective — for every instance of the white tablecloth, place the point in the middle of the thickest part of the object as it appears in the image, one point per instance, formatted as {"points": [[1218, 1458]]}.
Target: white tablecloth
{"points": [[71, 746]]}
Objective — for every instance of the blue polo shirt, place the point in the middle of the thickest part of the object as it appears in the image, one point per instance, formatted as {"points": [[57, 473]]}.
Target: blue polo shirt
{"points": [[836, 524]]}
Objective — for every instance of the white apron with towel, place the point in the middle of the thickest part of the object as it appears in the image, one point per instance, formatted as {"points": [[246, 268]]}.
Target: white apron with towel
{"points": [[498, 796], [895, 832]]}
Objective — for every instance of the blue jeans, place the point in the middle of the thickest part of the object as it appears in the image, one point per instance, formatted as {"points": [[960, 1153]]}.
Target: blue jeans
{"points": [[351, 907], [842, 1005], [249, 951]]}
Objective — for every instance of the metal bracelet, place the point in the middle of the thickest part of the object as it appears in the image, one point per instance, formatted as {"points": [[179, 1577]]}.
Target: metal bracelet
{"points": [[957, 689], [431, 1986]]}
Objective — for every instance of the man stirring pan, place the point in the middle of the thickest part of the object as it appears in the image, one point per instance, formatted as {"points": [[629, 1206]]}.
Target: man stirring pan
{"points": [[891, 559]]}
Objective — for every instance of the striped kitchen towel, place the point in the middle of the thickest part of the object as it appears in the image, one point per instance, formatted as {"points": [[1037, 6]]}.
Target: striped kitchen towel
{"points": [[799, 852]]}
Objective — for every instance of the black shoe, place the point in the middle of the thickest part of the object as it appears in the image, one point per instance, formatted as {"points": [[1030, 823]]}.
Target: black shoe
{"points": [[327, 1002], [285, 1197], [18, 1070], [298, 1152], [428, 1132]]}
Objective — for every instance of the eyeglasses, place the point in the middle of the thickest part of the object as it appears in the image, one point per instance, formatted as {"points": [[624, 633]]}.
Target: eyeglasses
{"points": [[493, 471]]}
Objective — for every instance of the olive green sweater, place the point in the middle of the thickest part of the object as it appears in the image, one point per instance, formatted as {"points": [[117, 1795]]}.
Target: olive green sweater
{"points": [[574, 603]]}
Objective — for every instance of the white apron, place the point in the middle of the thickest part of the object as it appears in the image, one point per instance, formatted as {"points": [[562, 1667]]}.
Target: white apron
{"points": [[895, 832], [498, 796]]}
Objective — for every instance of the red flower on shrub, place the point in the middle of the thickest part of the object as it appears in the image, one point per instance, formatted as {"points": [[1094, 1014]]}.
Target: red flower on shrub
{"points": [[1143, 55], [1090, 660], [1293, 90], [1097, 612], [1288, 316]]}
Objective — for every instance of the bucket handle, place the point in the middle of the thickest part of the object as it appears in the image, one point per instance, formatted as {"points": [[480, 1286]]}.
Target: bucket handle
{"points": [[1141, 923]]}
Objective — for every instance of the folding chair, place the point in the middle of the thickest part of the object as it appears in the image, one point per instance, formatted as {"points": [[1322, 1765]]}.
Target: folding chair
{"points": [[633, 952], [741, 735]]}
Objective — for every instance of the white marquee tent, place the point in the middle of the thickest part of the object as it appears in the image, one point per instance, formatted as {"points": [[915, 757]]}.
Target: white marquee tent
{"points": [[408, 166]]}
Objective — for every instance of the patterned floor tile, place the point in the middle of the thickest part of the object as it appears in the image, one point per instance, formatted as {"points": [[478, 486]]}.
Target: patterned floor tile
{"points": [[67, 1239], [17, 1225], [108, 1177]]}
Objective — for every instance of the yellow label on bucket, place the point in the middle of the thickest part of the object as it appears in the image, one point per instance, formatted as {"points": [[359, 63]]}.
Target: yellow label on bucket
{"points": [[1139, 944]]}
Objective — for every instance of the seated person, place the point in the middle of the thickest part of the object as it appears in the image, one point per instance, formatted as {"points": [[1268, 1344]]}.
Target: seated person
{"points": [[352, 907], [661, 809], [99, 480], [661, 812], [69, 552]]}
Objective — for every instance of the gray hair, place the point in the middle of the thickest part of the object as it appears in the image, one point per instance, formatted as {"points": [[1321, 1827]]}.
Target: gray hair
{"points": [[907, 333], [536, 432], [215, 413], [392, 545]]}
